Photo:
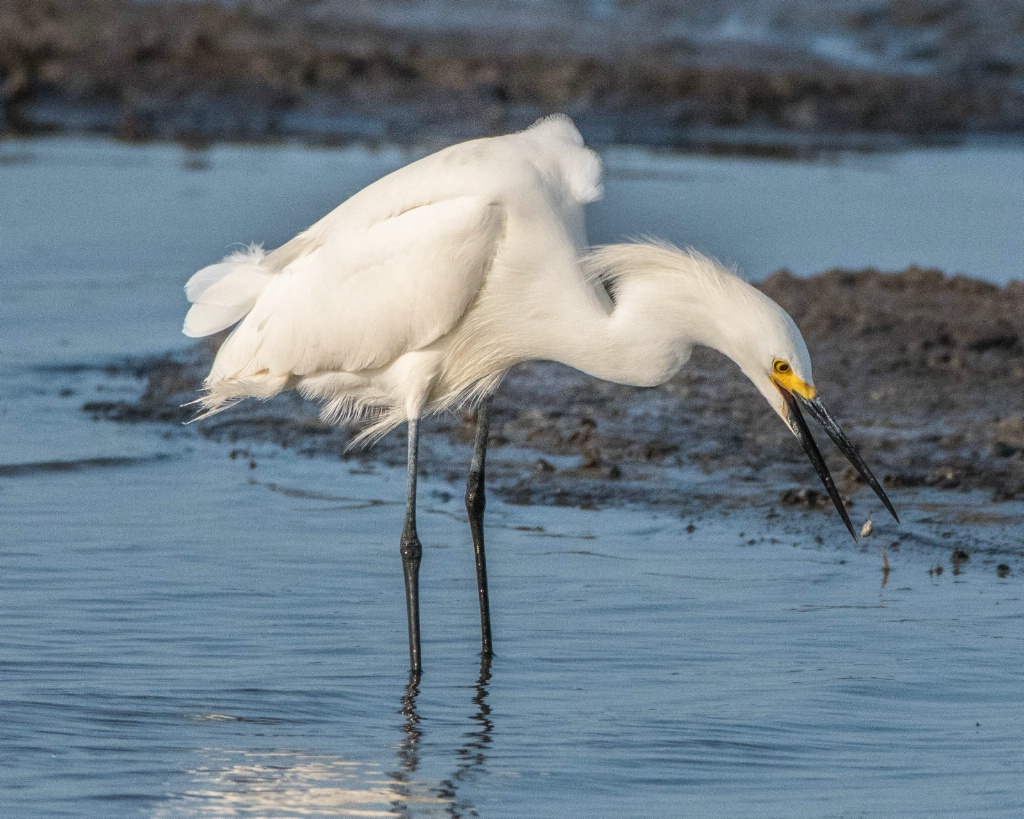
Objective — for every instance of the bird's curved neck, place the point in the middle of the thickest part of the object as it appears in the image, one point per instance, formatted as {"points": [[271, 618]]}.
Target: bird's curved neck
{"points": [[665, 303]]}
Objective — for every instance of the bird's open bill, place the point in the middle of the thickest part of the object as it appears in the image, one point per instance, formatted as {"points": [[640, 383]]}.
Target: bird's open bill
{"points": [[797, 423]]}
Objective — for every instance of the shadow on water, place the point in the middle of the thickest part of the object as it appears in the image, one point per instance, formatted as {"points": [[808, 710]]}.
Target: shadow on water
{"points": [[472, 754]]}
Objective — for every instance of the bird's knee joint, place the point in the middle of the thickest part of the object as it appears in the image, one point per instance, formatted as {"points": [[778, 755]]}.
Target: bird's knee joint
{"points": [[411, 557], [476, 501], [411, 549]]}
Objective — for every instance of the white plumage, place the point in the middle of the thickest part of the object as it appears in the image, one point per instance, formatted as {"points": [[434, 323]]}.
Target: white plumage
{"points": [[370, 307], [419, 291]]}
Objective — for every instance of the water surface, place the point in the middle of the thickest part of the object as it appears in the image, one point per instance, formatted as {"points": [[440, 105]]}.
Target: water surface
{"points": [[188, 632]]}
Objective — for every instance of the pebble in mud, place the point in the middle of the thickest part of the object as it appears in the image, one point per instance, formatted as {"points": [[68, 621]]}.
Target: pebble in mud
{"points": [[958, 558], [809, 498]]}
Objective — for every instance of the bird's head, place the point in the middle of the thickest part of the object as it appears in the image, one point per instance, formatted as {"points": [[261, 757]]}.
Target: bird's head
{"points": [[688, 299], [777, 362]]}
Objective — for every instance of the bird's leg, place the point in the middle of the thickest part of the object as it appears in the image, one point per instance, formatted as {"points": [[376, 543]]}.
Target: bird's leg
{"points": [[475, 502], [411, 552]]}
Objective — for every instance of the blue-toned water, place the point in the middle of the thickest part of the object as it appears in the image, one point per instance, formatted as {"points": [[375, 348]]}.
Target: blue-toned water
{"points": [[186, 633]]}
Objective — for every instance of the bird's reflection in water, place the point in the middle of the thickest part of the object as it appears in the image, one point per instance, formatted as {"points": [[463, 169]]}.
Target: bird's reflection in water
{"points": [[232, 783], [236, 783], [472, 755], [409, 747]]}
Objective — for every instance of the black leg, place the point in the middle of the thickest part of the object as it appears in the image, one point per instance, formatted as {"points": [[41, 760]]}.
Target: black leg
{"points": [[475, 502], [411, 552]]}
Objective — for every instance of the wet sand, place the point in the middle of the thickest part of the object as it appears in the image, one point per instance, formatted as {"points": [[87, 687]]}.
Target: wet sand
{"points": [[202, 72], [923, 370]]}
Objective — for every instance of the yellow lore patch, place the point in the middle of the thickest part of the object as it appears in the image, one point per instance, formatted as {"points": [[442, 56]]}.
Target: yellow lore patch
{"points": [[783, 376]]}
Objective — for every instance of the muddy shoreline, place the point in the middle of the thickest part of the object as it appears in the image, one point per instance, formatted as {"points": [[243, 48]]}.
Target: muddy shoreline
{"points": [[204, 72], [925, 371]]}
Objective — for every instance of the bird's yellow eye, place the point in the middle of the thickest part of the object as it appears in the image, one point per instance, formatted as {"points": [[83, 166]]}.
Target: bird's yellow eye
{"points": [[781, 367]]}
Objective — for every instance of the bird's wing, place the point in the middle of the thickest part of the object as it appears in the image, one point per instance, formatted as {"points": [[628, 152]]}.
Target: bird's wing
{"points": [[549, 155], [363, 297]]}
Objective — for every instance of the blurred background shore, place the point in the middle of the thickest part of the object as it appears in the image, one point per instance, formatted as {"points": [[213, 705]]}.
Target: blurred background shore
{"points": [[711, 75]]}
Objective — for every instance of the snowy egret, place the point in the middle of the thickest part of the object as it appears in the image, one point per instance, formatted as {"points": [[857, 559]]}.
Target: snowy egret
{"points": [[417, 293]]}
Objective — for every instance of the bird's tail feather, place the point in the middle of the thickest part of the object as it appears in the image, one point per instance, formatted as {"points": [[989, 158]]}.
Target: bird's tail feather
{"points": [[220, 395], [223, 293]]}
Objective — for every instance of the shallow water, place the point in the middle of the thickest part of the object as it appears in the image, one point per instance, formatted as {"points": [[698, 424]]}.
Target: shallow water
{"points": [[187, 633], [959, 210]]}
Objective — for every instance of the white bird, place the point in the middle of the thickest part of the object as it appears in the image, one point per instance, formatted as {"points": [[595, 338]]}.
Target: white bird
{"points": [[417, 293]]}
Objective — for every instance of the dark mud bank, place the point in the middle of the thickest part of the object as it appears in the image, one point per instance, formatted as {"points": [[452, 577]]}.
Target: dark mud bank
{"points": [[925, 372], [202, 72]]}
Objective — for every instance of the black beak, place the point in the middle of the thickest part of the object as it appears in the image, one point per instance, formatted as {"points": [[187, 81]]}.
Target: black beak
{"points": [[799, 426]]}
